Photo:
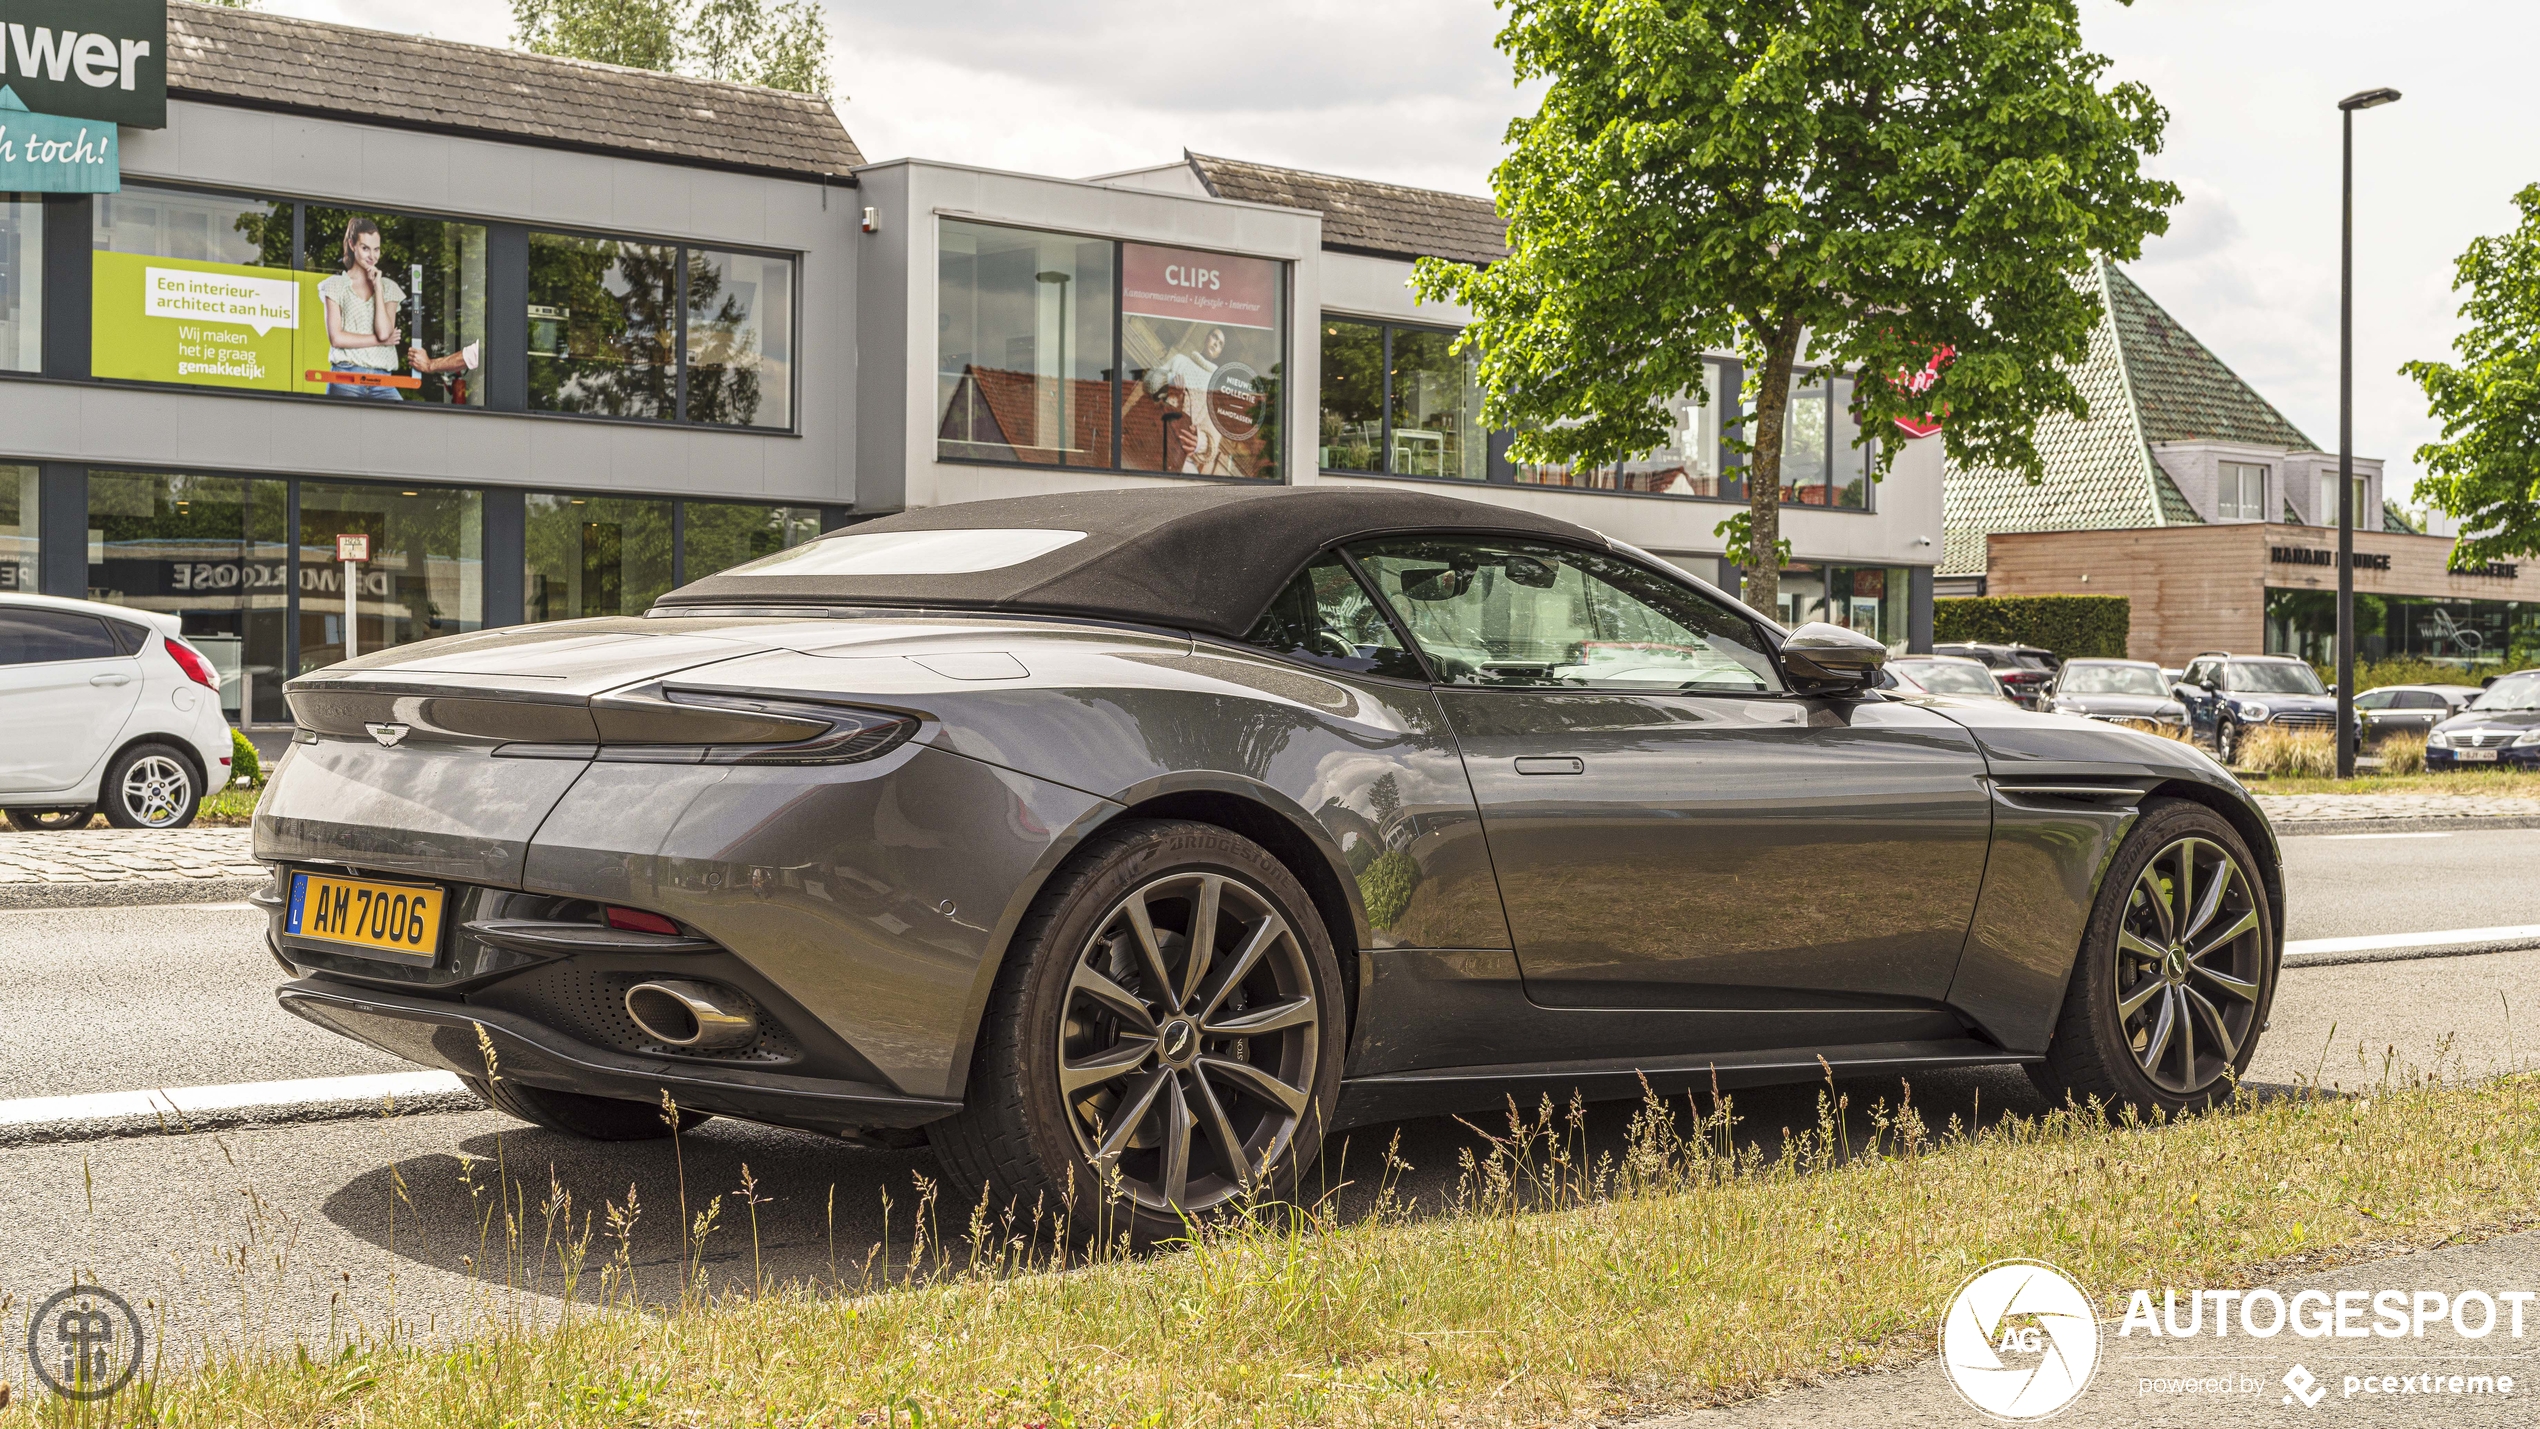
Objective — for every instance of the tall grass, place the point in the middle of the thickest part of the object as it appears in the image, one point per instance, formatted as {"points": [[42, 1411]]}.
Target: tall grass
{"points": [[2286, 753], [1691, 1263]]}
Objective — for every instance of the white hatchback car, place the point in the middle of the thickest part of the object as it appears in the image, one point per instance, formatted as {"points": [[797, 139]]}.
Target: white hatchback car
{"points": [[104, 707]]}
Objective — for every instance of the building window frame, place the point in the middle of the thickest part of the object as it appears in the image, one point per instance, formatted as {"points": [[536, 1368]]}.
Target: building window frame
{"points": [[2233, 484], [1495, 468], [1118, 380], [301, 203]]}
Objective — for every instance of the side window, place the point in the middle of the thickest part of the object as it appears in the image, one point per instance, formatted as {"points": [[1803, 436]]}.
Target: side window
{"points": [[1502, 613], [40, 637], [2381, 699], [129, 638], [2418, 700], [1325, 617], [2199, 672]]}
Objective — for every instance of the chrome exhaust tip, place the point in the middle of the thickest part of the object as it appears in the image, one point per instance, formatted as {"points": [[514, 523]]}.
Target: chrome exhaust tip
{"points": [[691, 1014]]}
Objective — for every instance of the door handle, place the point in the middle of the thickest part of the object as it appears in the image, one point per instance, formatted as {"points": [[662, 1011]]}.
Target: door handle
{"points": [[1562, 765], [110, 679]]}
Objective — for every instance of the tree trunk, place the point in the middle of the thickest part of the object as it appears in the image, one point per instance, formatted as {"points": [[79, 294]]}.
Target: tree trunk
{"points": [[1764, 467]]}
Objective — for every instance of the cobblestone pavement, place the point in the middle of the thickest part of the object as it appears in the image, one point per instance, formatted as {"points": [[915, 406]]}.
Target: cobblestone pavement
{"points": [[98, 866], [2339, 808]]}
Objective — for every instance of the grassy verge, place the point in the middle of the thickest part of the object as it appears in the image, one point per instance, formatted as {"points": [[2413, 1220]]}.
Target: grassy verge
{"points": [[2499, 783], [1674, 1273]]}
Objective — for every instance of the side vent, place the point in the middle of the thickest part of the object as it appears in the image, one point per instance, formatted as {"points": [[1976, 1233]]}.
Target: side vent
{"points": [[2048, 794]]}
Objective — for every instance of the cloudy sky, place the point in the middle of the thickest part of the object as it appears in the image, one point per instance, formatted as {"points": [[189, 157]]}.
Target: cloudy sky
{"points": [[1411, 91]]}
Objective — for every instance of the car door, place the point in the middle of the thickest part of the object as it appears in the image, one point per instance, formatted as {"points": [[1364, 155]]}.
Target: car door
{"points": [[66, 688], [2417, 712], [2196, 691], [1671, 827]]}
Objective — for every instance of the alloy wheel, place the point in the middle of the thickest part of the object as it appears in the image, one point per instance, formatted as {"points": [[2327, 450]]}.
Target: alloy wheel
{"points": [[1187, 1043], [155, 791], [2190, 954]]}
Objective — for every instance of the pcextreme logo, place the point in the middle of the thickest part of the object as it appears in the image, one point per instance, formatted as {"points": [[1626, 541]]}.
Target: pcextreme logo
{"points": [[2019, 1340]]}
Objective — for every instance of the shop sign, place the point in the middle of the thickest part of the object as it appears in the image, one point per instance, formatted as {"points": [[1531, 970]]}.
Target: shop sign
{"points": [[2491, 571], [100, 60], [2319, 556], [47, 154]]}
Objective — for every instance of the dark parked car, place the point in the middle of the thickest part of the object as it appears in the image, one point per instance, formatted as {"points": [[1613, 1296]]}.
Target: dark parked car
{"points": [[1157, 834], [2228, 695], [2410, 709], [2026, 672], [2501, 726], [2120, 692]]}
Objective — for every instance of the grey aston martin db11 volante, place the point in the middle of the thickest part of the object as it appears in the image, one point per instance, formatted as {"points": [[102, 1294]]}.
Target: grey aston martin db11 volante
{"points": [[1142, 838]]}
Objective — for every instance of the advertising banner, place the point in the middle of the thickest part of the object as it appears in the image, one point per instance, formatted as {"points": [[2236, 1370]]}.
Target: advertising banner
{"points": [[88, 59], [46, 154], [1203, 334], [206, 324]]}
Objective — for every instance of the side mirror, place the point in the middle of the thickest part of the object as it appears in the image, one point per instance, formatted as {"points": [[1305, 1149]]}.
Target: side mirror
{"points": [[1824, 659]]}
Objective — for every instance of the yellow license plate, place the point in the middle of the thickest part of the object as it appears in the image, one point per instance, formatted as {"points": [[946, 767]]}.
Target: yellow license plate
{"points": [[399, 921]]}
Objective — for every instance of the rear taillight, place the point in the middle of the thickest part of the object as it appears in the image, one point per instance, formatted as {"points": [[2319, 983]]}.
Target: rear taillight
{"points": [[636, 920], [196, 668]]}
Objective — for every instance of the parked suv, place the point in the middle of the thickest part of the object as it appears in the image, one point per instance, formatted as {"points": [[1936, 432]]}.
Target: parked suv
{"points": [[105, 707], [2228, 695], [2501, 726], [2025, 671]]}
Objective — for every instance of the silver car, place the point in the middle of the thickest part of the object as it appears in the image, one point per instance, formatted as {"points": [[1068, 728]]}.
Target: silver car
{"points": [[1140, 839]]}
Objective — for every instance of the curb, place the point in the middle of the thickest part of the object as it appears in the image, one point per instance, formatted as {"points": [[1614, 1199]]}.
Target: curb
{"points": [[130, 893], [184, 1112], [2403, 955], [2296, 828]]}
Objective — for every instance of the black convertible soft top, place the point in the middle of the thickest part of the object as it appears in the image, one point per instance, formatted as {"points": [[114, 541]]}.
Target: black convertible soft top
{"points": [[1205, 558]]}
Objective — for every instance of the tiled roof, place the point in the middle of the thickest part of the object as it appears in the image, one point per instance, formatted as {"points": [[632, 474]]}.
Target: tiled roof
{"points": [[2184, 392], [261, 61], [2099, 471], [1362, 216]]}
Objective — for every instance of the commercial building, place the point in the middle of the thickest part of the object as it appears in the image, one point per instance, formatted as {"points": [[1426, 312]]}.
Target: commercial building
{"points": [[641, 328], [2191, 494]]}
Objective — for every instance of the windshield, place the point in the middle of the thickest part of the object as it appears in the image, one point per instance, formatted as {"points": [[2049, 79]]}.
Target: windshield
{"points": [[2113, 680], [1943, 677], [2514, 692], [2271, 677]]}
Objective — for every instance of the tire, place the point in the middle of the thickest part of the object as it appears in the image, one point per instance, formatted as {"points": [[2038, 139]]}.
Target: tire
{"points": [[36, 821], [2226, 741], [2211, 988], [150, 786], [1144, 1024], [574, 1114]]}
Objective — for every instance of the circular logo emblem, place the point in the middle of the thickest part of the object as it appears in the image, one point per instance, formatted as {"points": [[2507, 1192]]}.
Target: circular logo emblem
{"points": [[84, 1343], [1234, 400], [2019, 1340]]}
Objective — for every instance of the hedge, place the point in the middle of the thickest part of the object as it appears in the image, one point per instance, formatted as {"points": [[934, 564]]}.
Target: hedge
{"points": [[2077, 627]]}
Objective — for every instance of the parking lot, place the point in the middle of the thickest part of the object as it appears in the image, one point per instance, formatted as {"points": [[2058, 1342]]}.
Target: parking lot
{"points": [[282, 1229]]}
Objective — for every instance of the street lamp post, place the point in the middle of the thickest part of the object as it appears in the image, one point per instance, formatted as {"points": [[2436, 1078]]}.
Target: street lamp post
{"points": [[2368, 99]]}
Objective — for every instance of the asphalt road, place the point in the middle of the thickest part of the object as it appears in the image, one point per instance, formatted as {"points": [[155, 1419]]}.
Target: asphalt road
{"points": [[279, 1233]]}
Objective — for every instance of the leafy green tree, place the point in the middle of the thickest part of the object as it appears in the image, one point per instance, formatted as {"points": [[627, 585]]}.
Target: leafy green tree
{"points": [[782, 44], [2486, 470], [1897, 186]]}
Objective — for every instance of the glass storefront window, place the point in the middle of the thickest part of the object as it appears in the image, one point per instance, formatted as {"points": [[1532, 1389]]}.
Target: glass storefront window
{"points": [[1873, 600], [1024, 349], [740, 339], [603, 323], [1202, 342], [196, 289], [1688, 465], [18, 528], [21, 283], [212, 550], [723, 534], [1437, 408], [1821, 465], [1353, 423], [593, 555], [433, 275], [2475, 635], [425, 576]]}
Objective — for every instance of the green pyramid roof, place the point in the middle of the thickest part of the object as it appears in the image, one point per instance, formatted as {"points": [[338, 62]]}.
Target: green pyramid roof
{"points": [[2147, 380]]}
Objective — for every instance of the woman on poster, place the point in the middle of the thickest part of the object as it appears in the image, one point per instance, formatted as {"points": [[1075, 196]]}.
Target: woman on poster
{"points": [[361, 322]]}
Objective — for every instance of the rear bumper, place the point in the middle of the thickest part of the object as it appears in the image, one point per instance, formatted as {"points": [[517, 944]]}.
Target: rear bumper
{"points": [[435, 1033]]}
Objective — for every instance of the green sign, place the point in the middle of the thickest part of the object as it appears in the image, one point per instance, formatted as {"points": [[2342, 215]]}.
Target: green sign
{"points": [[206, 324], [88, 59], [43, 154]]}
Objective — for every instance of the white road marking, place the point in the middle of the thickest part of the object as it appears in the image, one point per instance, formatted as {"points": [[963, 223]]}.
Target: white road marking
{"points": [[180, 1104], [2394, 942], [2383, 836]]}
